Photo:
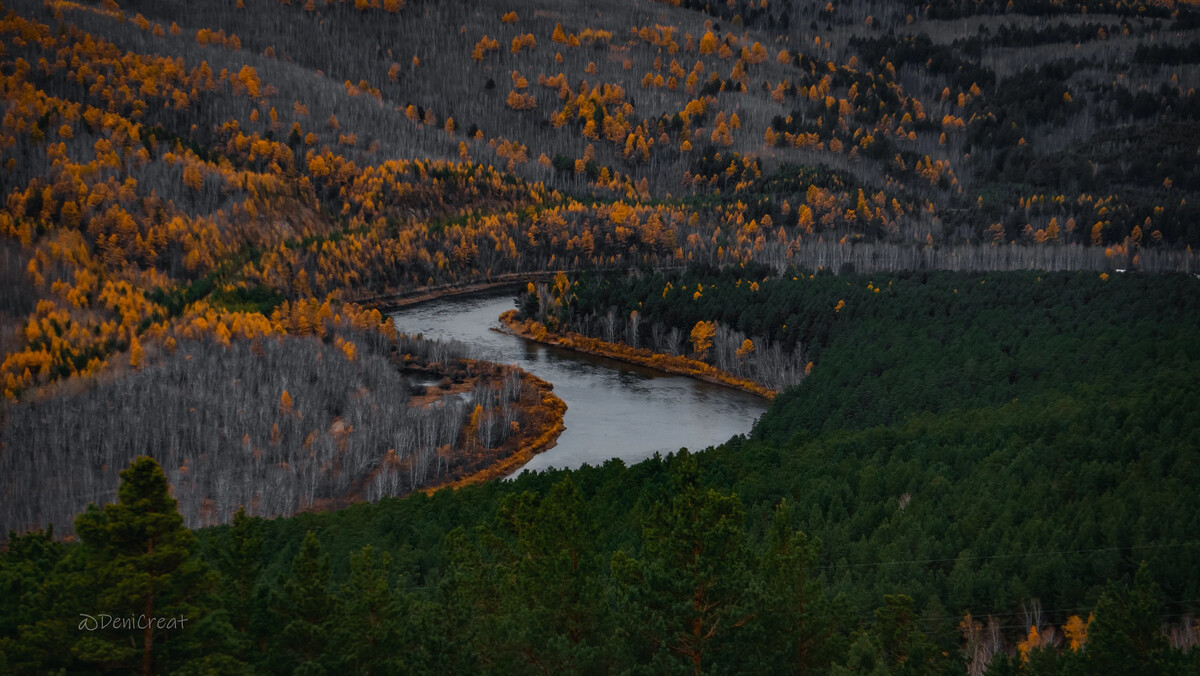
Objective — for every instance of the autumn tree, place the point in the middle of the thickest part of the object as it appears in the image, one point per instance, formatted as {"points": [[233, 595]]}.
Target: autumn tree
{"points": [[702, 336], [746, 348], [136, 353]]}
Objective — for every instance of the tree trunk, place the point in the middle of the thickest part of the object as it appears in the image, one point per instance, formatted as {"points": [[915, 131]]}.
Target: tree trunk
{"points": [[148, 634]]}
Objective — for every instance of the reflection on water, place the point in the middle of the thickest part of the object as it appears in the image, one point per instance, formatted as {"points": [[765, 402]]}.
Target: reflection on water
{"points": [[614, 410]]}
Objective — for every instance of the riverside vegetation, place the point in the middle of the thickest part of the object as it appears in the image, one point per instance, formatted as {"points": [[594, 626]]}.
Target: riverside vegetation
{"points": [[202, 201], [276, 422], [1024, 514], [166, 167]]}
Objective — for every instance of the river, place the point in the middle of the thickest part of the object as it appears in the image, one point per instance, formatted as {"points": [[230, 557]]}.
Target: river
{"points": [[614, 409]]}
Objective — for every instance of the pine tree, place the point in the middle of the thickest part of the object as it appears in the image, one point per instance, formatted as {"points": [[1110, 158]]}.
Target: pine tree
{"points": [[552, 602], [905, 648], [793, 620], [31, 641], [306, 611], [240, 565], [139, 556], [687, 594], [1124, 637], [368, 631]]}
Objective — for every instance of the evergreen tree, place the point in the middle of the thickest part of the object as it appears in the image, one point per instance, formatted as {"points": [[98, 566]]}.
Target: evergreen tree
{"points": [[1125, 636], [894, 644], [306, 611], [865, 657], [795, 629], [468, 598], [686, 595], [138, 556], [552, 611], [368, 632], [905, 648], [240, 562], [31, 635]]}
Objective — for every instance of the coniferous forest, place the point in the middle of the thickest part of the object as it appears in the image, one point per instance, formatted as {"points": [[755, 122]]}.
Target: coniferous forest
{"points": [[952, 242]]}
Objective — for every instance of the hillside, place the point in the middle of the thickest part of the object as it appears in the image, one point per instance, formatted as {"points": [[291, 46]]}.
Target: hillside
{"points": [[958, 237], [157, 155], [1047, 523], [162, 161]]}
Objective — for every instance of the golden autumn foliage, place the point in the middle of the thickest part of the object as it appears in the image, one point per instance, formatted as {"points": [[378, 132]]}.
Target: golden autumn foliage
{"points": [[746, 348], [1076, 632], [322, 213], [701, 336], [671, 363], [136, 354], [519, 101]]}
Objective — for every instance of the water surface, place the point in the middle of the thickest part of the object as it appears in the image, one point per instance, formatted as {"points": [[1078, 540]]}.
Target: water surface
{"points": [[614, 409]]}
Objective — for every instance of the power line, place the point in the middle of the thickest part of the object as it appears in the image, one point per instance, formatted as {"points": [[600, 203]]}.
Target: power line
{"points": [[1026, 627], [1007, 556], [1045, 611]]}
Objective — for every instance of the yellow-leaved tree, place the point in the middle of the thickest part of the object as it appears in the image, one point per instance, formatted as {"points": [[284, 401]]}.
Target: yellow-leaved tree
{"points": [[1076, 631], [136, 354], [746, 348], [702, 336]]}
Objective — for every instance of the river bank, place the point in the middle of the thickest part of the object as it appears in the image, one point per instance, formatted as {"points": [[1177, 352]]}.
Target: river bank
{"points": [[614, 409], [543, 413], [694, 368]]}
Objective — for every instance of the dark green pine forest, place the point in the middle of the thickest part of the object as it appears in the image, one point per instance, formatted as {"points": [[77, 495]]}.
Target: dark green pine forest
{"points": [[958, 237], [983, 473]]}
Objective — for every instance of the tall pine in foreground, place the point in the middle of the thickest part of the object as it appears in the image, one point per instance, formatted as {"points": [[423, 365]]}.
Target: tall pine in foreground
{"points": [[552, 601], [139, 559], [369, 634]]}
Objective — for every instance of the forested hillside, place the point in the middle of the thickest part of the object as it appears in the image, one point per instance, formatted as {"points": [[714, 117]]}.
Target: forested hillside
{"points": [[1006, 390], [161, 160], [885, 347], [959, 237], [273, 423], [1036, 520]]}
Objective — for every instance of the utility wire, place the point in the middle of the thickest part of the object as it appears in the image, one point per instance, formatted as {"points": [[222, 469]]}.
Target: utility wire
{"points": [[1076, 611], [1006, 556]]}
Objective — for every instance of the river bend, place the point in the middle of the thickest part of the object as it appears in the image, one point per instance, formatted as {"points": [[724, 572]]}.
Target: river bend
{"points": [[614, 409]]}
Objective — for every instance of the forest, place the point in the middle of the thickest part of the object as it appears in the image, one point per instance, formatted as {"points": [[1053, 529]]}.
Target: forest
{"points": [[274, 424], [1039, 520], [156, 157], [956, 242]]}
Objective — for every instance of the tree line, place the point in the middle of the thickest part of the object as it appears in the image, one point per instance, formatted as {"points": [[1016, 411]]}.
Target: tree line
{"points": [[272, 425]]}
